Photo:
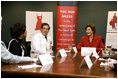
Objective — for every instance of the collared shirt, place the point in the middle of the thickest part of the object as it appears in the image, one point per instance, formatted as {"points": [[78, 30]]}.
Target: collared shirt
{"points": [[40, 44], [96, 42], [9, 58]]}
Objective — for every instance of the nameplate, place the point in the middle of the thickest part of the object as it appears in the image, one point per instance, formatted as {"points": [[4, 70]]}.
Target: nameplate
{"points": [[75, 49], [95, 55], [62, 59], [87, 51], [45, 59], [88, 61], [62, 53], [46, 68]]}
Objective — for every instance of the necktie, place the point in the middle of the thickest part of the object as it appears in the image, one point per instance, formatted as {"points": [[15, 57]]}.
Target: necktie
{"points": [[46, 37]]}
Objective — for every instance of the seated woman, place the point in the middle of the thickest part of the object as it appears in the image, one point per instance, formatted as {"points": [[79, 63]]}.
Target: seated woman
{"points": [[18, 33], [91, 40]]}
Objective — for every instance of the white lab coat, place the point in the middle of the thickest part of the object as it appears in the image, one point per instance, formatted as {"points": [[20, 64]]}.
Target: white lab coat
{"points": [[9, 58], [40, 45]]}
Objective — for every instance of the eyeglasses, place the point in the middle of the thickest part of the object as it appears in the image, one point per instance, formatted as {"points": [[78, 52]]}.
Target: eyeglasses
{"points": [[45, 28]]}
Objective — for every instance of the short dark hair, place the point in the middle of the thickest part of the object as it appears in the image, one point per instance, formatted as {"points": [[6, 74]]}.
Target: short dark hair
{"points": [[17, 30], [43, 24], [92, 26]]}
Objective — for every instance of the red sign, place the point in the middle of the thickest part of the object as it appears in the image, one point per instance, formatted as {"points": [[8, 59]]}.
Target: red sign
{"points": [[66, 27]]}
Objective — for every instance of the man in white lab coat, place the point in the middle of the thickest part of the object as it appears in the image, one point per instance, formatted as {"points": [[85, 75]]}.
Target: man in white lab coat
{"points": [[41, 43]]}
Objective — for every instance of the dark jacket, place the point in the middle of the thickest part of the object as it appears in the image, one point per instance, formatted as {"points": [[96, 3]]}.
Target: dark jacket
{"points": [[16, 47]]}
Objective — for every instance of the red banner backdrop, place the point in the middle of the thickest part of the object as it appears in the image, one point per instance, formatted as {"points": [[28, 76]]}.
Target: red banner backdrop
{"points": [[66, 27]]}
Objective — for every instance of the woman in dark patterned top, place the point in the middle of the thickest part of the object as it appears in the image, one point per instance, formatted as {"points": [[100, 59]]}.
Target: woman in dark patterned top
{"points": [[18, 33]]}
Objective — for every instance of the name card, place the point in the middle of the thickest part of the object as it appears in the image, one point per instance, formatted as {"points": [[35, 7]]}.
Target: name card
{"points": [[88, 61], [62, 59], [95, 55], [87, 51], [75, 49], [45, 59], [62, 53], [46, 68]]}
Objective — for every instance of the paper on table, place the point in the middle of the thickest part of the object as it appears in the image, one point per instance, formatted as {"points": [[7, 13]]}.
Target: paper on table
{"points": [[101, 59], [67, 50], [29, 66], [103, 64]]}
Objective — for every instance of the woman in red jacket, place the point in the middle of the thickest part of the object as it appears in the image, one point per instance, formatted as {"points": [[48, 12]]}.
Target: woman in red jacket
{"points": [[91, 40]]}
